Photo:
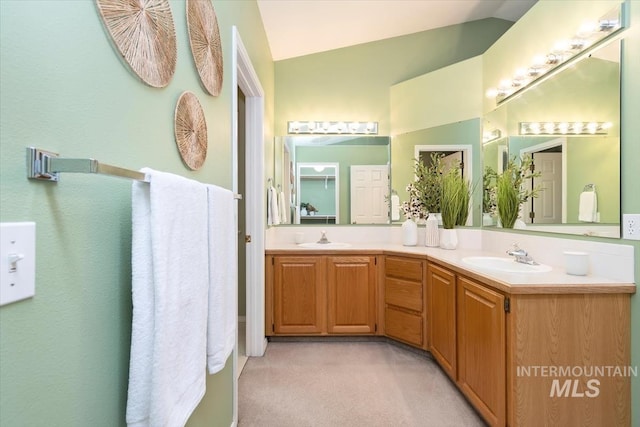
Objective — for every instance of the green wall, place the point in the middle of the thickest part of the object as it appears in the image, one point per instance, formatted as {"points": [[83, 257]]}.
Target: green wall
{"points": [[64, 354], [345, 156], [403, 154], [630, 153], [353, 83]]}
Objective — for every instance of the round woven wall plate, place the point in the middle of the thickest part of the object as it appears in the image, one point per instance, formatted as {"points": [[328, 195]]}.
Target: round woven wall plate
{"points": [[191, 130], [144, 34], [204, 38]]}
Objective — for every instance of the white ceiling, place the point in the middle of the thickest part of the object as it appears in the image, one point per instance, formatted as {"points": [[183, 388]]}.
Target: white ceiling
{"points": [[301, 27]]}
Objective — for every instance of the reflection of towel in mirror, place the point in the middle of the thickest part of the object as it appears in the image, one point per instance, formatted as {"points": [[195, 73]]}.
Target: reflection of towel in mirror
{"points": [[588, 208], [273, 217], [395, 207], [282, 209]]}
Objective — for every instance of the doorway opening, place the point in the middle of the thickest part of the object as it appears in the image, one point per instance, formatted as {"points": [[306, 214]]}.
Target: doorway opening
{"points": [[453, 154], [550, 207]]}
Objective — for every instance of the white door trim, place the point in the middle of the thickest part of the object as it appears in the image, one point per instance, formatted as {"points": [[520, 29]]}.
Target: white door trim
{"points": [[243, 75]]}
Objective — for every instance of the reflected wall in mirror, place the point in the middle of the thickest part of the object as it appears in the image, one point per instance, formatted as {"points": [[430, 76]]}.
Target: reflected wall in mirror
{"points": [[359, 192], [459, 137], [571, 165]]}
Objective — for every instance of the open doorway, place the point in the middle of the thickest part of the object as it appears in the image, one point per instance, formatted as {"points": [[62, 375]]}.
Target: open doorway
{"points": [[244, 78]]}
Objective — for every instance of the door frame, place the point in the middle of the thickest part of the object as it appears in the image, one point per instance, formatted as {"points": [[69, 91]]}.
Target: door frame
{"points": [[243, 75], [562, 141]]}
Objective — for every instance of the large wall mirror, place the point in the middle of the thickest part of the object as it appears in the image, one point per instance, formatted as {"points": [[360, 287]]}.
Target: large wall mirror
{"points": [[559, 123], [333, 179]]}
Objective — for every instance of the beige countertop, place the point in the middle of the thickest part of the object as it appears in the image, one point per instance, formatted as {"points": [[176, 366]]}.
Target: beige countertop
{"points": [[555, 281]]}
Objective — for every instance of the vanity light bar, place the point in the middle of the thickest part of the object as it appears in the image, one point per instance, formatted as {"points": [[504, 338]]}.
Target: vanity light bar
{"points": [[491, 135], [314, 127], [564, 128], [563, 51]]}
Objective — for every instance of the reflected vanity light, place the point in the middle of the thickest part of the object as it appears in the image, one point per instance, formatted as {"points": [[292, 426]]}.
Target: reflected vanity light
{"points": [[491, 135], [561, 54], [564, 128], [320, 127]]}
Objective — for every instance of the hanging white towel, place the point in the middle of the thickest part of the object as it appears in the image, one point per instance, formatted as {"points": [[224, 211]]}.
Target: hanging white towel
{"points": [[282, 209], [273, 217], [588, 207], [170, 281], [223, 280], [395, 207]]}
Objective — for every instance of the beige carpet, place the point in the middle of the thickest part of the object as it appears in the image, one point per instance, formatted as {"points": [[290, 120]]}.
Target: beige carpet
{"points": [[348, 384]]}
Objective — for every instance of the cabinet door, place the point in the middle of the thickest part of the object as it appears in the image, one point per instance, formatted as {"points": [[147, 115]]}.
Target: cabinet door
{"points": [[299, 295], [351, 295], [441, 289], [481, 349]]}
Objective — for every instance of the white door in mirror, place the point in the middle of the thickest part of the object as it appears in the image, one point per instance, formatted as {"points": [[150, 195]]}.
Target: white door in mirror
{"points": [[17, 261]]}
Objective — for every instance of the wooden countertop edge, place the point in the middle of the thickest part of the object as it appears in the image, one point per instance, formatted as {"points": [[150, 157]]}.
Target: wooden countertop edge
{"points": [[513, 289]]}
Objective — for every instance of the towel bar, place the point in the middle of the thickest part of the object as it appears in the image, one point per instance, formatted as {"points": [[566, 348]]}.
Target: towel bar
{"points": [[45, 165]]}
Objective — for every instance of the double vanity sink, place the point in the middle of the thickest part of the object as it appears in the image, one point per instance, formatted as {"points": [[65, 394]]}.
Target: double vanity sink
{"points": [[483, 317]]}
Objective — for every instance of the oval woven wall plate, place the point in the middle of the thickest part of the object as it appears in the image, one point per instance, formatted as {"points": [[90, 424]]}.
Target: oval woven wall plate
{"points": [[191, 130], [145, 36], [204, 38]]}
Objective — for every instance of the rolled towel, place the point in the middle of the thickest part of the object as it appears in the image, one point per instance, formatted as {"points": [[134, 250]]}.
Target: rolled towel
{"points": [[588, 208]]}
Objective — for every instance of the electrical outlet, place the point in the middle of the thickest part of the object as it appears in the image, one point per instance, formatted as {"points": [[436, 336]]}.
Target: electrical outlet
{"points": [[631, 226]]}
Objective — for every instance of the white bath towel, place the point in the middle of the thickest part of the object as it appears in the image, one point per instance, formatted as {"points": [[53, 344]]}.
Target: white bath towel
{"points": [[588, 207], [273, 217], [223, 281], [282, 209], [169, 287], [395, 207]]}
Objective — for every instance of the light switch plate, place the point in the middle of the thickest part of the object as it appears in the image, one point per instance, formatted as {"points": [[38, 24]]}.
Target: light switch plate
{"points": [[631, 226], [17, 261]]}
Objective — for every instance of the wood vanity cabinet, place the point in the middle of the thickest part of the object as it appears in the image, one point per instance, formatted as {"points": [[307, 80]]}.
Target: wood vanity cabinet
{"points": [[482, 348], [351, 298], [299, 293], [441, 296], [404, 298], [320, 295], [501, 348]]}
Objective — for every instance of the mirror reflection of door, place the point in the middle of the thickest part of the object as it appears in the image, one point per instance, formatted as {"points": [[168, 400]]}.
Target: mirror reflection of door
{"points": [[549, 206], [369, 194]]}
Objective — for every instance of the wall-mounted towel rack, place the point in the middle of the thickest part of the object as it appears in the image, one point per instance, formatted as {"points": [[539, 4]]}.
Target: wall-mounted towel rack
{"points": [[589, 187], [45, 165]]}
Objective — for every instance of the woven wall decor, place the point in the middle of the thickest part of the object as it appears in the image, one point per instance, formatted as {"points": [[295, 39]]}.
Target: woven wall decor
{"points": [[145, 36], [191, 130], [204, 38]]}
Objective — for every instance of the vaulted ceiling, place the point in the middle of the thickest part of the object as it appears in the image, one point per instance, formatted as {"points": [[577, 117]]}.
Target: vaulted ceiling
{"points": [[301, 27]]}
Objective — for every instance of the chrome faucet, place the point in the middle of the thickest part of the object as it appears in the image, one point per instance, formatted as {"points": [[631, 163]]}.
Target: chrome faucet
{"points": [[521, 255], [323, 240]]}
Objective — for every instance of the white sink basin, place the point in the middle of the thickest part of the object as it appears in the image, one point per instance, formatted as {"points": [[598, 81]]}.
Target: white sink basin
{"points": [[506, 265], [332, 245]]}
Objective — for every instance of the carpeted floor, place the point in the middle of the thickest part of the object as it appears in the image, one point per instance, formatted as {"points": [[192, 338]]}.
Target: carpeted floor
{"points": [[348, 384]]}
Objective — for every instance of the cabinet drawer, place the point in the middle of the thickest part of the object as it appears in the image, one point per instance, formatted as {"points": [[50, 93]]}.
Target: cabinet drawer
{"points": [[403, 326], [403, 268], [403, 293]]}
